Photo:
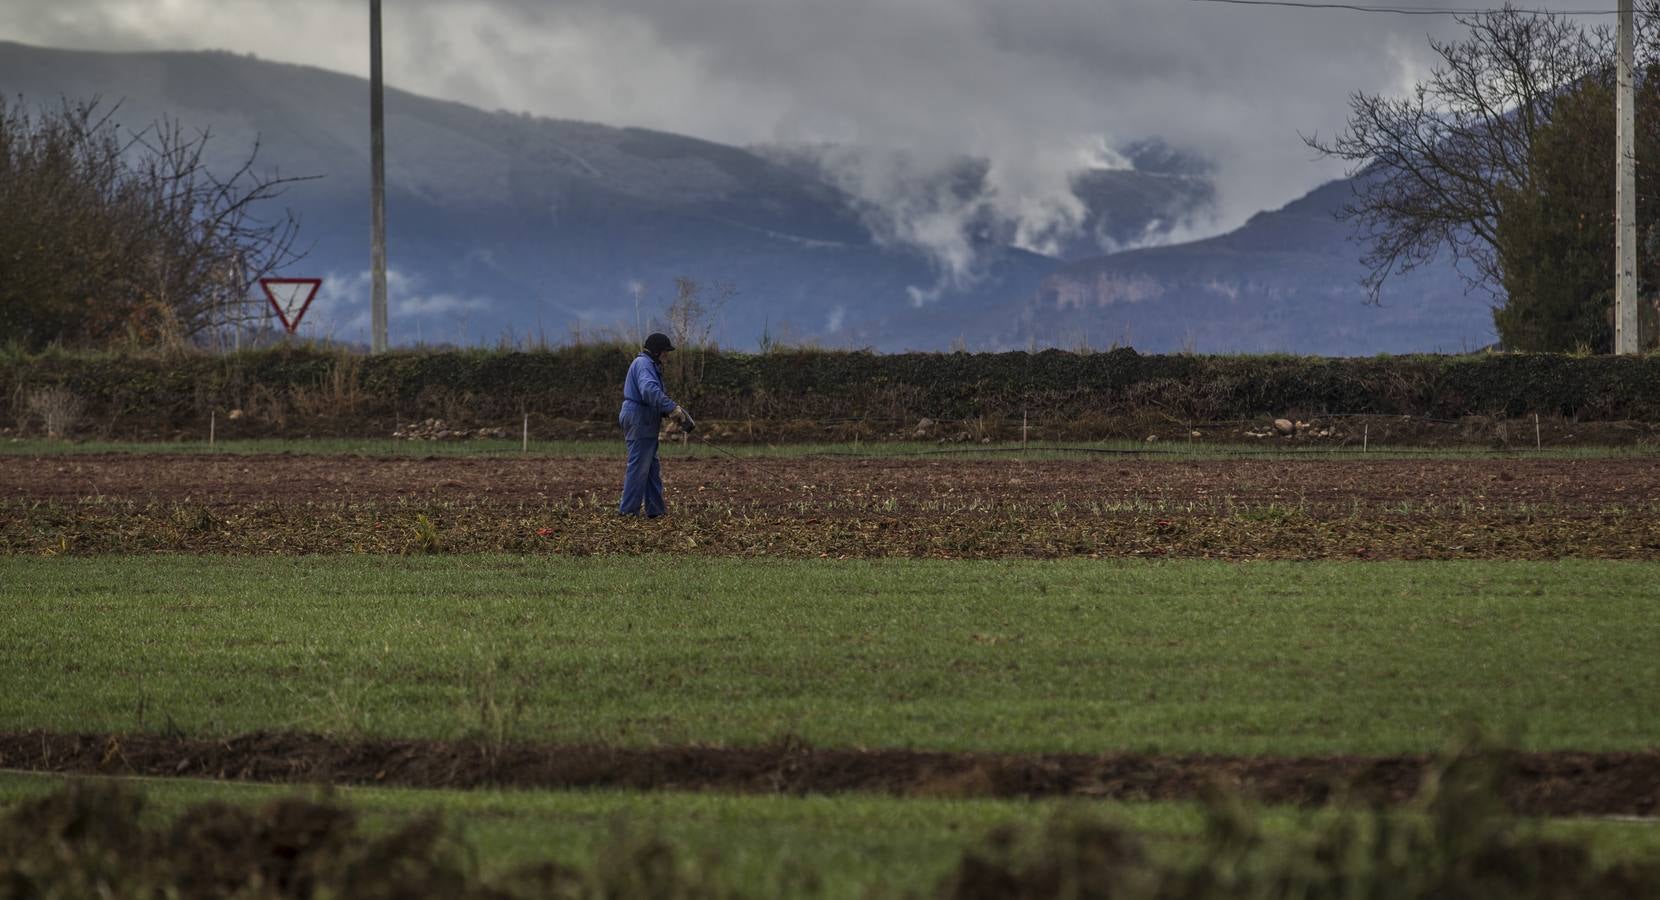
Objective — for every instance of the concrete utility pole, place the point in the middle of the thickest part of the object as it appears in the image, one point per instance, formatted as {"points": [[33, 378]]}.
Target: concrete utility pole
{"points": [[377, 190], [1625, 193]]}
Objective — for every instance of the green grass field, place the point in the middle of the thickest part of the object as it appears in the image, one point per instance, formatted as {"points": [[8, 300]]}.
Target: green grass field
{"points": [[1055, 656], [860, 846]]}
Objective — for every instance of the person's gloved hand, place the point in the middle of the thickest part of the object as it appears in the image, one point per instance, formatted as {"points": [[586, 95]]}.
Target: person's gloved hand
{"points": [[686, 423]]}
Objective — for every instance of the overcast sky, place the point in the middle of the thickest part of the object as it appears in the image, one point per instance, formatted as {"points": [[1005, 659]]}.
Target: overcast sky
{"points": [[1035, 85]]}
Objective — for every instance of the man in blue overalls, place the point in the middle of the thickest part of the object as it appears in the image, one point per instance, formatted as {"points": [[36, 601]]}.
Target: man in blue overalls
{"points": [[643, 408]]}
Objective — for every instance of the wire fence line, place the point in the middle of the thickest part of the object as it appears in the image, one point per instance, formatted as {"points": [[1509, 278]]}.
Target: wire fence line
{"points": [[865, 451]]}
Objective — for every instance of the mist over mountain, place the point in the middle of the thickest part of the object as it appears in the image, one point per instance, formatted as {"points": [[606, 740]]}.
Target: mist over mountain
{"points": [[1134, 196], [504, 225], [1287, 282]]}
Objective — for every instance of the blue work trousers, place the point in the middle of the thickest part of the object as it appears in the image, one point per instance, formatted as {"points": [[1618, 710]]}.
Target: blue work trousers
{"points": [[643, 482]]}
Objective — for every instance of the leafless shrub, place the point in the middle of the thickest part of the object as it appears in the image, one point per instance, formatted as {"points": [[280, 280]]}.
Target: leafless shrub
{"points": [[691, 315], [691, 324], [57, 407], [114, 235]]}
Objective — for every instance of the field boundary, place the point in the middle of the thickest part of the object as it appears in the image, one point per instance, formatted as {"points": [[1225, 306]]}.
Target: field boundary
{"points": [[1489, 399], [1534, 783]]}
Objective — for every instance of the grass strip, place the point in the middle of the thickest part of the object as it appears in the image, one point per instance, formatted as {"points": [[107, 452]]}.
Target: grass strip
{"points": [[856, 846], [1078, 656]]}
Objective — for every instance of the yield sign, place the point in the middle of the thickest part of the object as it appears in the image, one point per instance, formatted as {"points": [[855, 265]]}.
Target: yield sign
{"points": [[290, 297]]}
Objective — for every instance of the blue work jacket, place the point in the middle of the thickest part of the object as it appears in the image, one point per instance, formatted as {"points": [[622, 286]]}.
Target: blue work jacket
{"points": [[644, 401]]}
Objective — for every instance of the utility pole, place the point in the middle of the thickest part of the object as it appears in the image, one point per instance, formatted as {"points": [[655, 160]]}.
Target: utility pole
{"points": [[377, 189], [1625, 193]]}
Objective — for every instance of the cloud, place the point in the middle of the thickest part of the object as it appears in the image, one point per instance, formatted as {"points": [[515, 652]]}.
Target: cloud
{"points": [[1035, 88], [341, 310]]}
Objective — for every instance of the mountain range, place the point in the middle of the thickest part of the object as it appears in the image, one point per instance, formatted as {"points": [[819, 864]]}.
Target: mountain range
{"points": [[510, 226], [1287, 281]]}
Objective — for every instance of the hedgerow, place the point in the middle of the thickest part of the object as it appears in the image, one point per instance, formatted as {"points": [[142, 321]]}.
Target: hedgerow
{"points": [[295, 390]]}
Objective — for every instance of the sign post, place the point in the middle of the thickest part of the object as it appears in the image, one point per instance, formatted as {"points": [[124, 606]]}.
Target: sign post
{"points": [[290, 297], [377, 186], [1625, 190]]}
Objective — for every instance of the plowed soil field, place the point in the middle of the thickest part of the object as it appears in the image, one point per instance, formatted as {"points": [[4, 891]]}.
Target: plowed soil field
{"points": [[840, 507], [1571, 486]]}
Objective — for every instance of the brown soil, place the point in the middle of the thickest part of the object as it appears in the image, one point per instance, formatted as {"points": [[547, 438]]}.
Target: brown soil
{"points": [[1543, 784], [855, 508], [1563, 484]]}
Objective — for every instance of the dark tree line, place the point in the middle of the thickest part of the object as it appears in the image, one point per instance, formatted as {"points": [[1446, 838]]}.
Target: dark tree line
{"points": [[1504, 158], [115, 236]]}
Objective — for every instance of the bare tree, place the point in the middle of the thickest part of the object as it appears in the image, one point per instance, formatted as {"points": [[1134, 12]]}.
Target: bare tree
{"points": [[1433, 167], [110, 235]]}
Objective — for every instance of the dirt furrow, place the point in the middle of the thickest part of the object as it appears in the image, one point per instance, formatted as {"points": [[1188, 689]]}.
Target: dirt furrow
{"points": [[1544, 784]]}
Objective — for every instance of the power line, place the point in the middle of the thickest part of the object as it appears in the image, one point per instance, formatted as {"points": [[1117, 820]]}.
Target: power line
{"points": [[1411, 10]]}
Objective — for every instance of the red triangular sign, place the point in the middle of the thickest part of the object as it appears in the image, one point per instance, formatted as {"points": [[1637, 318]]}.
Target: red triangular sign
{"points": [[290, 297]]}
